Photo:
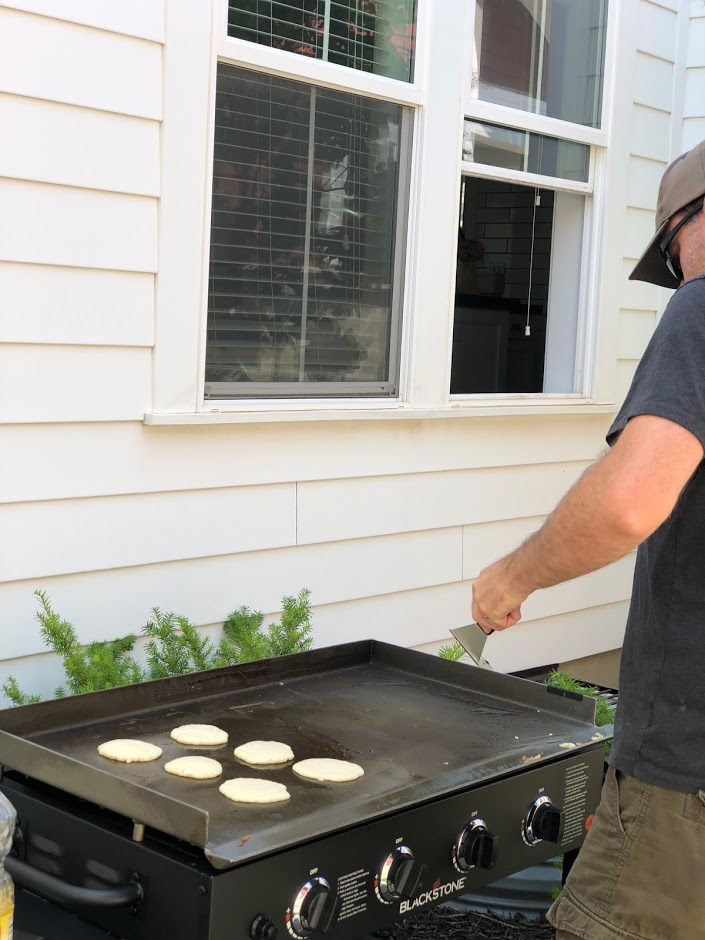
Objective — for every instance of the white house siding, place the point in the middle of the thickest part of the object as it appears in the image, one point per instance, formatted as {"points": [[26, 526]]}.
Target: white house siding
{"points": [[652, 143], [694, 97], [386, 522]]}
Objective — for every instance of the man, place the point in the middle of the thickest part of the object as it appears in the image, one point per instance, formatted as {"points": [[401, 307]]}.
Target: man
{"points": [[641, 872]]}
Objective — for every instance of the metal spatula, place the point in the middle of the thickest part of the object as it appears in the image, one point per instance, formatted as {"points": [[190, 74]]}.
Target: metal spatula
{"points": [[472, 638]]}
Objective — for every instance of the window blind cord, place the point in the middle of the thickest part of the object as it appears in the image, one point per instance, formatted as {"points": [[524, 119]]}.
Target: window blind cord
{"points": [[537, 202]]}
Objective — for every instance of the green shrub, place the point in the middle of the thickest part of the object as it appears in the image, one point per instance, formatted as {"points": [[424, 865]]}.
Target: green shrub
{"points": [[174, 647], [100, 665], [453, 652], [604, 712], [244, 640]]}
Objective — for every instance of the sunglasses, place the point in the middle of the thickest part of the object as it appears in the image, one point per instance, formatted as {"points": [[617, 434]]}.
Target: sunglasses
{"points": [[671, 263]]}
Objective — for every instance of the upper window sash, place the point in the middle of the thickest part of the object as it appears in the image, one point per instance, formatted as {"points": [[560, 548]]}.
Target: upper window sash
{"points": [[368, 35], [285, 64], [539, 56], [478, 109]]}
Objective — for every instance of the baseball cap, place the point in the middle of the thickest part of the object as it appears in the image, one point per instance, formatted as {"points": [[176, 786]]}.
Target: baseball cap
{"points": [[683, 182]]}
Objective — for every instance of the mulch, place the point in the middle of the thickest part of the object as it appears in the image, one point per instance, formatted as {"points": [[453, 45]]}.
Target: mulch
{"points": [[444, 923]]}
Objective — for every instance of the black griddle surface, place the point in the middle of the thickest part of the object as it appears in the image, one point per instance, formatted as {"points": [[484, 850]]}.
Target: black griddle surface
{"points": [[416, 737]]}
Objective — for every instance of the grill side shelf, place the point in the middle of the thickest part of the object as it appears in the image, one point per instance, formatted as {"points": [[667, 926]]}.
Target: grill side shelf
{"points": [[137, 803]]}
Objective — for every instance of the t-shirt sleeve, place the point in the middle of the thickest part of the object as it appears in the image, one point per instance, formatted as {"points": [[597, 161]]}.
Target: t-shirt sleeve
{"points": [[670, 379]]}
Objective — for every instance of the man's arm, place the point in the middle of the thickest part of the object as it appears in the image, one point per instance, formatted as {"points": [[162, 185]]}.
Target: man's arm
{"points": [[614, 506]]}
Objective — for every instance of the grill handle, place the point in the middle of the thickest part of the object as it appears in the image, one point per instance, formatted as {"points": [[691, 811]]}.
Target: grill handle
{"points": [[57, 890]]}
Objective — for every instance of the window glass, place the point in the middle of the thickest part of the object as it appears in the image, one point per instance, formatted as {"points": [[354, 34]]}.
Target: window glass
{"points": [[530, 153], [544, 56], [516, 303], [304, 241], [372, 35]]}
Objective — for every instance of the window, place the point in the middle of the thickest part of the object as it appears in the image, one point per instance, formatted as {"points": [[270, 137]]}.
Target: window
{"points": [[371, 35], [304, 279], [543, 56], [350, 228], [525, 227]]}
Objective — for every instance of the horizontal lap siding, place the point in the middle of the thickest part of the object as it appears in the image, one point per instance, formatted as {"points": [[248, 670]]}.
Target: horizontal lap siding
{"points": [[45, 224], [65, 62], [103, 603], [80, 109], [80, 102], [351, 508], [694, 104], [103, 459], [117, 531], [73, 146], [143, 19], [48, 304], [74, 383], [651, 141], [387, 522]]}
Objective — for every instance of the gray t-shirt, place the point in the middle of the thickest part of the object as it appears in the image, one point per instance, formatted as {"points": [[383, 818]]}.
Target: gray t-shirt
{"points": [[660, 724]]}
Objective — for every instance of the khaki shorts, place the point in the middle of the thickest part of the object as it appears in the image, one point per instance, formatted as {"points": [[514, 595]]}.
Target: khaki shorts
{"points": [[641, 872]]}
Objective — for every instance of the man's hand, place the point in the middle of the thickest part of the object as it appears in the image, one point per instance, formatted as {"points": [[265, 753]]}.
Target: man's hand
{"points": [[617, 503], [492, 607]]}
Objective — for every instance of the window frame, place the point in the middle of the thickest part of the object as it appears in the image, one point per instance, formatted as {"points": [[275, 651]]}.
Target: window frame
{"points": [[383, 390], [591, 243], [196, 40], [317, 73]]}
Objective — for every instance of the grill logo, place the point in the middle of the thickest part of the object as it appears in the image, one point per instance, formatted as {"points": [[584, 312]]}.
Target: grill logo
{"points": [[437, 892]]}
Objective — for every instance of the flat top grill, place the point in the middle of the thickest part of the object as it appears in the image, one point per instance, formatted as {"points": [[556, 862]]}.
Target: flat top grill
{"points": [[421, 727]]}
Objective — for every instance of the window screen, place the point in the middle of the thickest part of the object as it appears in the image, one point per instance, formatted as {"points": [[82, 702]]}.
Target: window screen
{"points": [[372, 35], [305, 260]]}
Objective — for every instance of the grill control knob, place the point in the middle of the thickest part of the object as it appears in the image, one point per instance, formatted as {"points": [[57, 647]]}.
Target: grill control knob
{"points": [[543, 823], [401, 875], [477, 847], [262, 928], [314, 910]]}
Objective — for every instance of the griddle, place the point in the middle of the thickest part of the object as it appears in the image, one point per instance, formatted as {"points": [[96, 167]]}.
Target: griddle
{"points": [[420, 726]]}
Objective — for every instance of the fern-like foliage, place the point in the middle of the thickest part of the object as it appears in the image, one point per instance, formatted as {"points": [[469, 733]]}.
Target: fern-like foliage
{"points": [[87, 669], [12, 691], [604, 712], [293, 633], [200, 648], [176, 647], [243, 640], [454, 652]]}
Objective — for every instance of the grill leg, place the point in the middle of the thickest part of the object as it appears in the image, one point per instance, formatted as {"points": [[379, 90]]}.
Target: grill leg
{"points": [[568, 861]]}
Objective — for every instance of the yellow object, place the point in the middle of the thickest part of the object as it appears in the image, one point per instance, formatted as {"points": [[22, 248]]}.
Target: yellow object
{"points": [[7, 909], [6, 924], [8, 819]]}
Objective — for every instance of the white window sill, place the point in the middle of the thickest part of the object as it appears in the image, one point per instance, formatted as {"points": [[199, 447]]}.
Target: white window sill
{"points": [[368, 412]]}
